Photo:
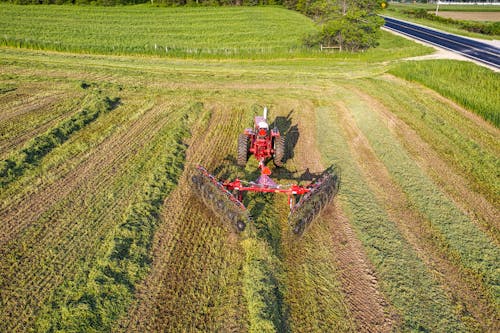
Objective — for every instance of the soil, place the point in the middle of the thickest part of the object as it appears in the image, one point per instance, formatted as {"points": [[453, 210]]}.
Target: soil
{"points": [[472, 16]]}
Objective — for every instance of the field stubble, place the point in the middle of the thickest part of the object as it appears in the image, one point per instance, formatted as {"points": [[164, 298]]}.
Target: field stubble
{"points": [[358, 268]]}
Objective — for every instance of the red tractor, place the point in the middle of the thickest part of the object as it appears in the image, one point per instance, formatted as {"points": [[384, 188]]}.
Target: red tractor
{"points": [[262, 142], [225, 198]]}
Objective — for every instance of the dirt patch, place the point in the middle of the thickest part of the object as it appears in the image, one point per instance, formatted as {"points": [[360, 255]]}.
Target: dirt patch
{"points": [[472, 16], [463, 288]]}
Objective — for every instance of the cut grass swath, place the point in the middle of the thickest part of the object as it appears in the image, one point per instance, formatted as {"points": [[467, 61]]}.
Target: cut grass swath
{"points": [[97, 301], [403, 277], [37, 148]]}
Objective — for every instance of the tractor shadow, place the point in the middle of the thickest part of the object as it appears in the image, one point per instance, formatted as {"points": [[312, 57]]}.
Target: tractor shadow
{"points": [[289, 132]]}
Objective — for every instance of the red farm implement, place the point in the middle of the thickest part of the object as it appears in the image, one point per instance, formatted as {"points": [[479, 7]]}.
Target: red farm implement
{"points": [[225, 198]]}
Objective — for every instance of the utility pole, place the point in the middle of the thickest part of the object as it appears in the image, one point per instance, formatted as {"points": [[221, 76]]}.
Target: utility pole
{"points": [[437, 8]]}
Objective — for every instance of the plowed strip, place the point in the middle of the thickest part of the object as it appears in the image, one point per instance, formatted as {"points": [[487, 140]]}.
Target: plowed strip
{"points": [[462, 286]]}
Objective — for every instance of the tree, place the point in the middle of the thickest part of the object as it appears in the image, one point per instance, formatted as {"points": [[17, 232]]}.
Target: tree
{"points": [[350, 24]]}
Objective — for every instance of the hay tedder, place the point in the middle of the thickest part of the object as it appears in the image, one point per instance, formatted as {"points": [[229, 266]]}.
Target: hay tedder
{"points": [[225, 198]]}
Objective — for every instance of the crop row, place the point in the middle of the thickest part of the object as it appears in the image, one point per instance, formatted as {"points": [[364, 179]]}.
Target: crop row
{"points": [[111, 280], [64, 235], [35, 149]]}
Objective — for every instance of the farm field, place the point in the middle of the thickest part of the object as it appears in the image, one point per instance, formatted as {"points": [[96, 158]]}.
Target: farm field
{"points": [[472, 16], [101, 231]]}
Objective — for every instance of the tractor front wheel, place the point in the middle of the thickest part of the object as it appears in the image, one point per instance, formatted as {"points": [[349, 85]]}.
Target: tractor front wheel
{"points": [[279, 151], [242, 150]]}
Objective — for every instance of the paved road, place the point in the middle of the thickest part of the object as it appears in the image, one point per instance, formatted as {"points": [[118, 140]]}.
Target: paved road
{"points": [[467, 47]]}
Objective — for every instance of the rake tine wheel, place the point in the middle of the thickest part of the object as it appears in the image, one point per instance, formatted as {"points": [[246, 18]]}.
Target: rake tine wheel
{"points": [[311, 204], [222, 203]]}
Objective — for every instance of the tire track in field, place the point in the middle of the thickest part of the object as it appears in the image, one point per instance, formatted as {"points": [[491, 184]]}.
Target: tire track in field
{"points": [[474, 204], [357, 275], [180, 261], [104, 157], [464, 288], [71, 236]]}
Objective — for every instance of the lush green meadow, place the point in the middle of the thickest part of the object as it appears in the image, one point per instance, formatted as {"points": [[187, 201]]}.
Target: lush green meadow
{"points": [[473, 87], [206, 31], [101, 230]]}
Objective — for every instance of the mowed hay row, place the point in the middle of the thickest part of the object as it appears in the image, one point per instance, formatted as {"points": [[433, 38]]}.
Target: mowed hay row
{"points": [[470, 146], [46, 253], [465, 289], [189, 245], [16, 131], [436, 230], [96, 152], [461, 189], [123, 258], [458, 234], [403, 278], [27, 98], [342, 270]]}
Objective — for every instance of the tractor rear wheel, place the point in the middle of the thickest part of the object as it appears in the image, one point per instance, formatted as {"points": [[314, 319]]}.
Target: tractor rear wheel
{"points": [[242, 150], [279, 151]]}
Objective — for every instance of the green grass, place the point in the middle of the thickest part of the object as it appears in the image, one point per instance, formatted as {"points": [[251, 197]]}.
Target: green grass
{"points": [[34, 150], [92, 251], [473, 151], [242, 32], [205, 32], [403, 276], [98, 299], [475, 88], [461, 236]]}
